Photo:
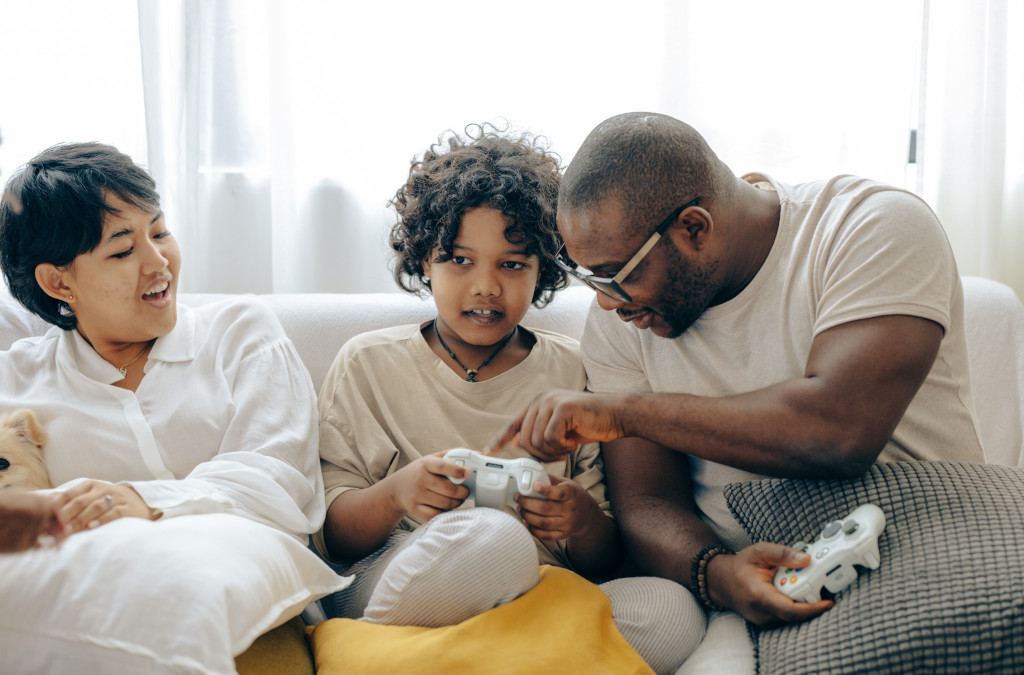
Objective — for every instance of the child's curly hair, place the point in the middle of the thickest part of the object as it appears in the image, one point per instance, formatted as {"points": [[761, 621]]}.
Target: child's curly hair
{"points": [[517, 175]]}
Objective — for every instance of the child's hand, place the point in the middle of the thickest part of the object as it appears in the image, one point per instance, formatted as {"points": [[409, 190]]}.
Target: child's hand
{"points": [[422, 489], [567, 511]]}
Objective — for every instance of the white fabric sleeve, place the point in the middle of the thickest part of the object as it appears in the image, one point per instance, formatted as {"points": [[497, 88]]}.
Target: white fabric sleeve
{"points": [[612, 355], [266, 468], [889, 255]]}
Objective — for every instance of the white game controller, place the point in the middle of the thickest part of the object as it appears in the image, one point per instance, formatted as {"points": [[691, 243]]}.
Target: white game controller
{"points": [[840, 546], [494, 481]]}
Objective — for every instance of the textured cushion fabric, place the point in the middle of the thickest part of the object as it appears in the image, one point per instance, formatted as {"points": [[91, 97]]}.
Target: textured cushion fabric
{"points": [[562, 625], [949, 594], [177, 595]]}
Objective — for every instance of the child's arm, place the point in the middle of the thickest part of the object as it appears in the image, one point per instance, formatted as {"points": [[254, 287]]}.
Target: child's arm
{"points": [[359, 521], [569, 512]]}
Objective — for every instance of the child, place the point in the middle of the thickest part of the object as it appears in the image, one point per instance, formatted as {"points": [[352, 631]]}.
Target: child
{"points": [[477, 230]]}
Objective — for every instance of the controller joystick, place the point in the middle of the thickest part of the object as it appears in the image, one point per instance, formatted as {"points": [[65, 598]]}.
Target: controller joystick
{"points": [[494, 481], [841, 545]]}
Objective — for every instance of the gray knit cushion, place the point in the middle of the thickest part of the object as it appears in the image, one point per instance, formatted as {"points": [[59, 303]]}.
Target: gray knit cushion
{"points": [[949, 594]]}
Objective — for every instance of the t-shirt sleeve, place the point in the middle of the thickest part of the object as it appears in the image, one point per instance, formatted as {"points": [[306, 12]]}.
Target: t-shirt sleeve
{"points": [[355, 450], [588, 471], [887, 255], [612, 355]]}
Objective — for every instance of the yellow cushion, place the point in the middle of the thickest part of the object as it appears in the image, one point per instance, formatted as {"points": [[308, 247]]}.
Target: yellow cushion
{"points": [[282, 651], [563, 625]]}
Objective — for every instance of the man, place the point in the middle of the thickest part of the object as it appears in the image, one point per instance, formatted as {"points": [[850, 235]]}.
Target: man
{"points": [[746, 328]]}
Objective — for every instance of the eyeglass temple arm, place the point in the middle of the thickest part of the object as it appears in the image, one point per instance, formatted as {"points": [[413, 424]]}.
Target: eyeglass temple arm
{"points": [[635, 260]]}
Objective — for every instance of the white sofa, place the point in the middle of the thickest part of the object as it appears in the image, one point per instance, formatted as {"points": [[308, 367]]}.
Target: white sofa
{"points": [[319, 324]]}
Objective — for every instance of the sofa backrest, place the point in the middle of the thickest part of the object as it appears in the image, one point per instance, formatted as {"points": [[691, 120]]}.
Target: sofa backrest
{"points": [[320, 323]]}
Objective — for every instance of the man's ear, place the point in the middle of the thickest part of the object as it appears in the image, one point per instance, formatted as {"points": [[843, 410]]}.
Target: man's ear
{"points": [[51, 280], [693, 229]]}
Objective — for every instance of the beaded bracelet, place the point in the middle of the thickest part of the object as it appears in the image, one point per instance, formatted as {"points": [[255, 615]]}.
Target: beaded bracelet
{"points": [[699, 577]]}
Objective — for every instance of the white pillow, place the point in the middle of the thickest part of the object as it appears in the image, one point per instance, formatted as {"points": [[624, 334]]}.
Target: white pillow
{"points": [[184, 594]]}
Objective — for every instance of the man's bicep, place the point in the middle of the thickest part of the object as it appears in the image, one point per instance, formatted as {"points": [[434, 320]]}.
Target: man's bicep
{"points": [[868, 371]]}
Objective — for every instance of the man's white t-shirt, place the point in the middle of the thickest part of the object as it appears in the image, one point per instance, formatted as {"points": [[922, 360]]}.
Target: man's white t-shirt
{"points": [[847, 249]]}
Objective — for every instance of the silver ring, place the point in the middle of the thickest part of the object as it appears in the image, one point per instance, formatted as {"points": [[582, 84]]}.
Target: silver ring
{"points": [[109, 501]]}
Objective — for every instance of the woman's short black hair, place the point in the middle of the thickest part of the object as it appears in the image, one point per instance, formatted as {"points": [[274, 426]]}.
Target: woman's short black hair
{"points": [[514, 173], [52, 211]]}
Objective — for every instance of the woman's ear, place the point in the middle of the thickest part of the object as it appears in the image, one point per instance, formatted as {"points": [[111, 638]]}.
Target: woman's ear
{"points": [[51, 280], [425, 265]]}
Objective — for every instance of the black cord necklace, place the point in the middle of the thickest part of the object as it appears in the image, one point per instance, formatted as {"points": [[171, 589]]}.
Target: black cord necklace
{"points": [[471, 374]]}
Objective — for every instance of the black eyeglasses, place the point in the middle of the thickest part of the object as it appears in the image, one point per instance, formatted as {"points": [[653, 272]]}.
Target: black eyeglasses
{"points": [[610, 286]]}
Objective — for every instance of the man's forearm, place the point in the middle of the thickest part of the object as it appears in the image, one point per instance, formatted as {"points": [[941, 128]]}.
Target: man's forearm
{"points": [[662, 538], [779, 431]]}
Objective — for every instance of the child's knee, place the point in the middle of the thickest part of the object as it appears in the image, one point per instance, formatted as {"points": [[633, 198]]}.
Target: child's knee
{"points": [[460, 563], [658, 617]]}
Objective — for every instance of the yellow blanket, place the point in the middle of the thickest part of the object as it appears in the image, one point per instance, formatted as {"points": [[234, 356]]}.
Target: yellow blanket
{"points": [[563, 625]]}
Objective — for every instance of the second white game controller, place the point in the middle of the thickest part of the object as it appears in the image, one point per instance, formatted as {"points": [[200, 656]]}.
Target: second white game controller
{"points": [[494, 481], [841, 545]]}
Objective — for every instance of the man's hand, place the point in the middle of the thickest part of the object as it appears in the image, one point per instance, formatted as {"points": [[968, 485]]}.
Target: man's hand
{"points": [[422, 489], [743, 582], [558, 421], [92, 503], [566, 511], [27, 516]]}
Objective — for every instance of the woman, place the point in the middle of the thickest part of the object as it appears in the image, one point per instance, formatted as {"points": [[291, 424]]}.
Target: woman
{"points": [[153, 411]]}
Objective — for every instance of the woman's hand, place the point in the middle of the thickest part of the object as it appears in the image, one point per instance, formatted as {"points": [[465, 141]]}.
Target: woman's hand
{"points": [[92, 503], [567, 510], [422, 488], [27, 516]]}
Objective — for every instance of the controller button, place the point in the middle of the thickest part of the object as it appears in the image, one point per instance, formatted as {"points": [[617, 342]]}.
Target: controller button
{"points": [[821, 554], [792, 579], [782, 581], [831, 530], [850, 526], [799, 569]]}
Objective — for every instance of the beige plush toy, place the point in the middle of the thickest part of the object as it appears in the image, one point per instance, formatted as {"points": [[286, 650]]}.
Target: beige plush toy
{"points": [[21, 453]]}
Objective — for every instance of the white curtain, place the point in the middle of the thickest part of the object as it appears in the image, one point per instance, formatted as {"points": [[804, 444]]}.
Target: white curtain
{"points": [[278, 130], [972, 132]]}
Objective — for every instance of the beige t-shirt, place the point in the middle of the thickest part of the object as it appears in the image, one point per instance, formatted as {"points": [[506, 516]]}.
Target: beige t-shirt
{"points": [[389, 400], [847, 249]]}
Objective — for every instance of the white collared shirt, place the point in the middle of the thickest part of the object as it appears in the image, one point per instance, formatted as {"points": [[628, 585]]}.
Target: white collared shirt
{"points": [[224, 420]]}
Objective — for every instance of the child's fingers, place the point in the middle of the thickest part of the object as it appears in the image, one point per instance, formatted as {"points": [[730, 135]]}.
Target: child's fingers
{"points": [[439, 466], [547, 528]]}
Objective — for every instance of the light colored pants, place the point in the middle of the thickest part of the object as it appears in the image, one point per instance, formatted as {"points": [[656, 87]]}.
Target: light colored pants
{"points": [[464, 562]]}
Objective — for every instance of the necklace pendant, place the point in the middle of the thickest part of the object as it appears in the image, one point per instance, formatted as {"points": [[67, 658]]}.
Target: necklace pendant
{"points": [[471, 376], [123, 370]]}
